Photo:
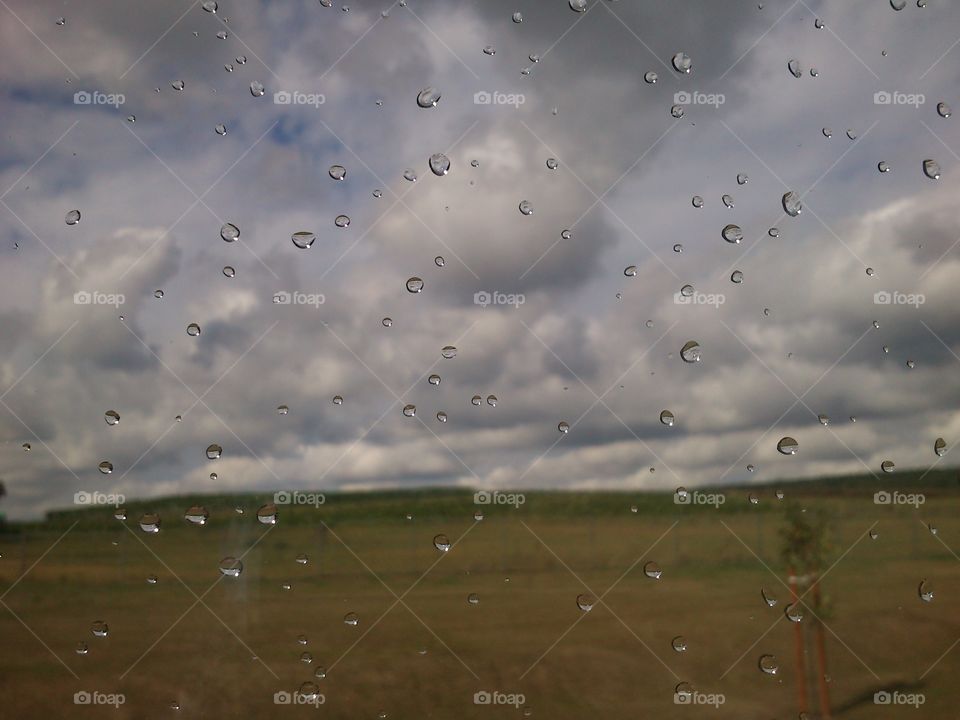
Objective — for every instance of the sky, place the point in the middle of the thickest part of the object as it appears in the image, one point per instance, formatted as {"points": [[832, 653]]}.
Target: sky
{"points": [[571, 314]]}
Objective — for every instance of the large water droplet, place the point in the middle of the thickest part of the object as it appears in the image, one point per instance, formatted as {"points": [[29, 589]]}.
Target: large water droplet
{"points": [[732, 234], [792, 204], [414, 285], [682, 63], [768, 664], [214, 452], [229, 232], [924, 591], [940, 447], [586, 602], [267, 514], [794, 67], [231, 566], [428, 97], [931, 169], [690, 352], [149, 522], [441, 542], [303, 239], [196, 515], [72, 217], [256, 88], [439, 164], [787, 446]]}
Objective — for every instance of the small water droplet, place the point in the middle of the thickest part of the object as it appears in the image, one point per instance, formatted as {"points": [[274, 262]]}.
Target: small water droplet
{"points": [[414, 285], [410, 410], [651, 77], [768, 664], [149, 523], [652, 570], [526, 207], [794, 67], [666, 417], [441, 542], [586, 602], [196, 515], [736, 277], [99, 629], [112, 417], [229, 232], [448, 352], [256, 88], [214, 452], [924, 591]]}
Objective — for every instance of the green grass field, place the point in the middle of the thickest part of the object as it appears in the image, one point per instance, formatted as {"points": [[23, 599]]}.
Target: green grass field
{"points": [[427, 653]]}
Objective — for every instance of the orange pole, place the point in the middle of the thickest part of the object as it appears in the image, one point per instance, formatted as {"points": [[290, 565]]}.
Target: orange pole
{"points": [[799, 648], [821, 657]]}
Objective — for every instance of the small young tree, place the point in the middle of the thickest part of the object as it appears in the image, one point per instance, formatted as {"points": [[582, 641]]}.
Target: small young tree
{"points": [[806, 548]]}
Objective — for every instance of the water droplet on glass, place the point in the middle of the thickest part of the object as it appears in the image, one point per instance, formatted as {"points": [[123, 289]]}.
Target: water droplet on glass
{"points": [[652, 570], [489, 50], [767, 598], [428, 97], [552, 164], [214, 452], [220, 129], [106, 467], [792, 204], [210, 6], [940, 447], [256, 88], [434, 379], [727, 201], [492, 400], [410, 410], [112, 417], [267, 514], [682, 63], [732, 234], [351, 619], [736, 277], [441, 542], [414, 285], [794, 67], [679, 644], [337, 400], [99, 629], [924, 591], [898, 5], [931, 169], [944, 110], [231, 567], [697, 201], [196, 515], [768, 664], [651, 78], [178, 85], [677, 111], [229, 271], [666, 417], [578, 5], [690, 352], [448, 352], [439, 164], [517, 17], [887, 466], [883, 166], [149, 522], [586, 602], [526, 207], [793, 612], [229, 232], [473, 599], [303, 239], [787, 446], [630, 271]]}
